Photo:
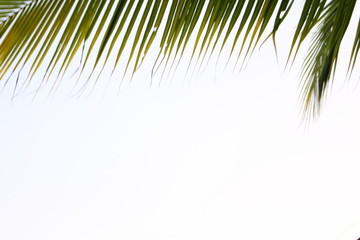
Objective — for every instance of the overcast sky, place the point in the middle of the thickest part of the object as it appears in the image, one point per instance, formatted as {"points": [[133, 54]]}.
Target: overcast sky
{"points": [[221, 156]]}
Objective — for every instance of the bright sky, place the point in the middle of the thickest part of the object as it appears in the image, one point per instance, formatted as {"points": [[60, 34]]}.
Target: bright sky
{"points": [[220, 157]]}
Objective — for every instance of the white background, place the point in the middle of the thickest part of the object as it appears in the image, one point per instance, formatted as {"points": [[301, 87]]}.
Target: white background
{"points": [[222, 157]]}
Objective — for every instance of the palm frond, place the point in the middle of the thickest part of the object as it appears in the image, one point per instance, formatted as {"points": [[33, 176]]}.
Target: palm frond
{"points": [[320, 64], [9, 8], [355, 50], [49, 35]]}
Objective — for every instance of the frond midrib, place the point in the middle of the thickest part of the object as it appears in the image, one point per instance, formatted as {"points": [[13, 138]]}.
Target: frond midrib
{"points": [[24, 4]]}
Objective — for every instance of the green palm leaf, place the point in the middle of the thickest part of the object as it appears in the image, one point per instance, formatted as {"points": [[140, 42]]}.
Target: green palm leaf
{"points": [[9, 8], [49, 34], [320, 63]]}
